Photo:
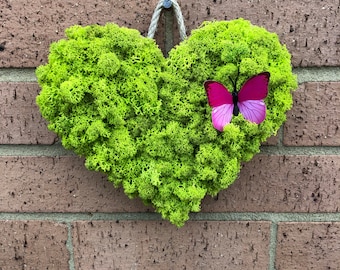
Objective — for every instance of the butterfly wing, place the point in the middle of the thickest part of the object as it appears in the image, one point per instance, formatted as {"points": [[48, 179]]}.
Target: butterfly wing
{"points": [[221, 101], [251, 96], [253, 110], [255, 88], [217, 94], [221, 115]]}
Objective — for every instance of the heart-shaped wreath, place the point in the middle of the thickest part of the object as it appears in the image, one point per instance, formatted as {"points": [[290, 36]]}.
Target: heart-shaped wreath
{"points": [[145, 120]]}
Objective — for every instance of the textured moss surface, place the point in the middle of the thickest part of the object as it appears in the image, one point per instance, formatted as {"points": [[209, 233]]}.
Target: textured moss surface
{"points": [[144, 120]]}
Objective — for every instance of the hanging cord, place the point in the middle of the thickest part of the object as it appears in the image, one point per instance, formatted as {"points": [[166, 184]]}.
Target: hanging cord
{"points": [[156, 14]]}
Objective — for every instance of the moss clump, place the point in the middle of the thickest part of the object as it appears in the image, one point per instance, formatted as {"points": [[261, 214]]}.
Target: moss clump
{"points": [[100, 92], [144, 120]]}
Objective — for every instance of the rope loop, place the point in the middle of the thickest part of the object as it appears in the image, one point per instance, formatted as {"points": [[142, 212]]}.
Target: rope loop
{"points": [[157, 12]]}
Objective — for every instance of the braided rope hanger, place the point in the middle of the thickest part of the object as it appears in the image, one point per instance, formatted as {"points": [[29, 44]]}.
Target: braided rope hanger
{"points": [[156, 14]]}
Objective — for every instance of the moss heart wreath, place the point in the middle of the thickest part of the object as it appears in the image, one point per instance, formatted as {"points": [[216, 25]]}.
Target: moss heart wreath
{"points": [[144, 120]]}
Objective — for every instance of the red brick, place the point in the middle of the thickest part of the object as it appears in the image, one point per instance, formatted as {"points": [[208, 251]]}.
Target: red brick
{"points": [[33, 245], [271, 183], [268, 183], [314, 118], [159, 245], [273, 140], [29, 27], [63, 184], [20, 119], [310, 246], [308, 28]]}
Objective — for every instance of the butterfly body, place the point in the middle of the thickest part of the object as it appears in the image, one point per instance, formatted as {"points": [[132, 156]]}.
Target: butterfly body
{"points": [[236, 109], [249, 101]]}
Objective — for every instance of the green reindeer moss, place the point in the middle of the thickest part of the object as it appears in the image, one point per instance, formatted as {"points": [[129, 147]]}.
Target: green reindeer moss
{"points": [[145, 121]]}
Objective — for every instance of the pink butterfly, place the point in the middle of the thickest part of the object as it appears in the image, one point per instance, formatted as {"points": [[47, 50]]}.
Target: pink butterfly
{"points": [[249, 100]]}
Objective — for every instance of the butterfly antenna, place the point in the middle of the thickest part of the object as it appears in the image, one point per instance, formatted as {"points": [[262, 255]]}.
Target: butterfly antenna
{"points": [[235, 82], [232, 81], [238, 74]]}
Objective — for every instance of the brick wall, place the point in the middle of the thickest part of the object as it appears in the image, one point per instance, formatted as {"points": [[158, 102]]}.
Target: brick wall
{"points": [[282, 213]]}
